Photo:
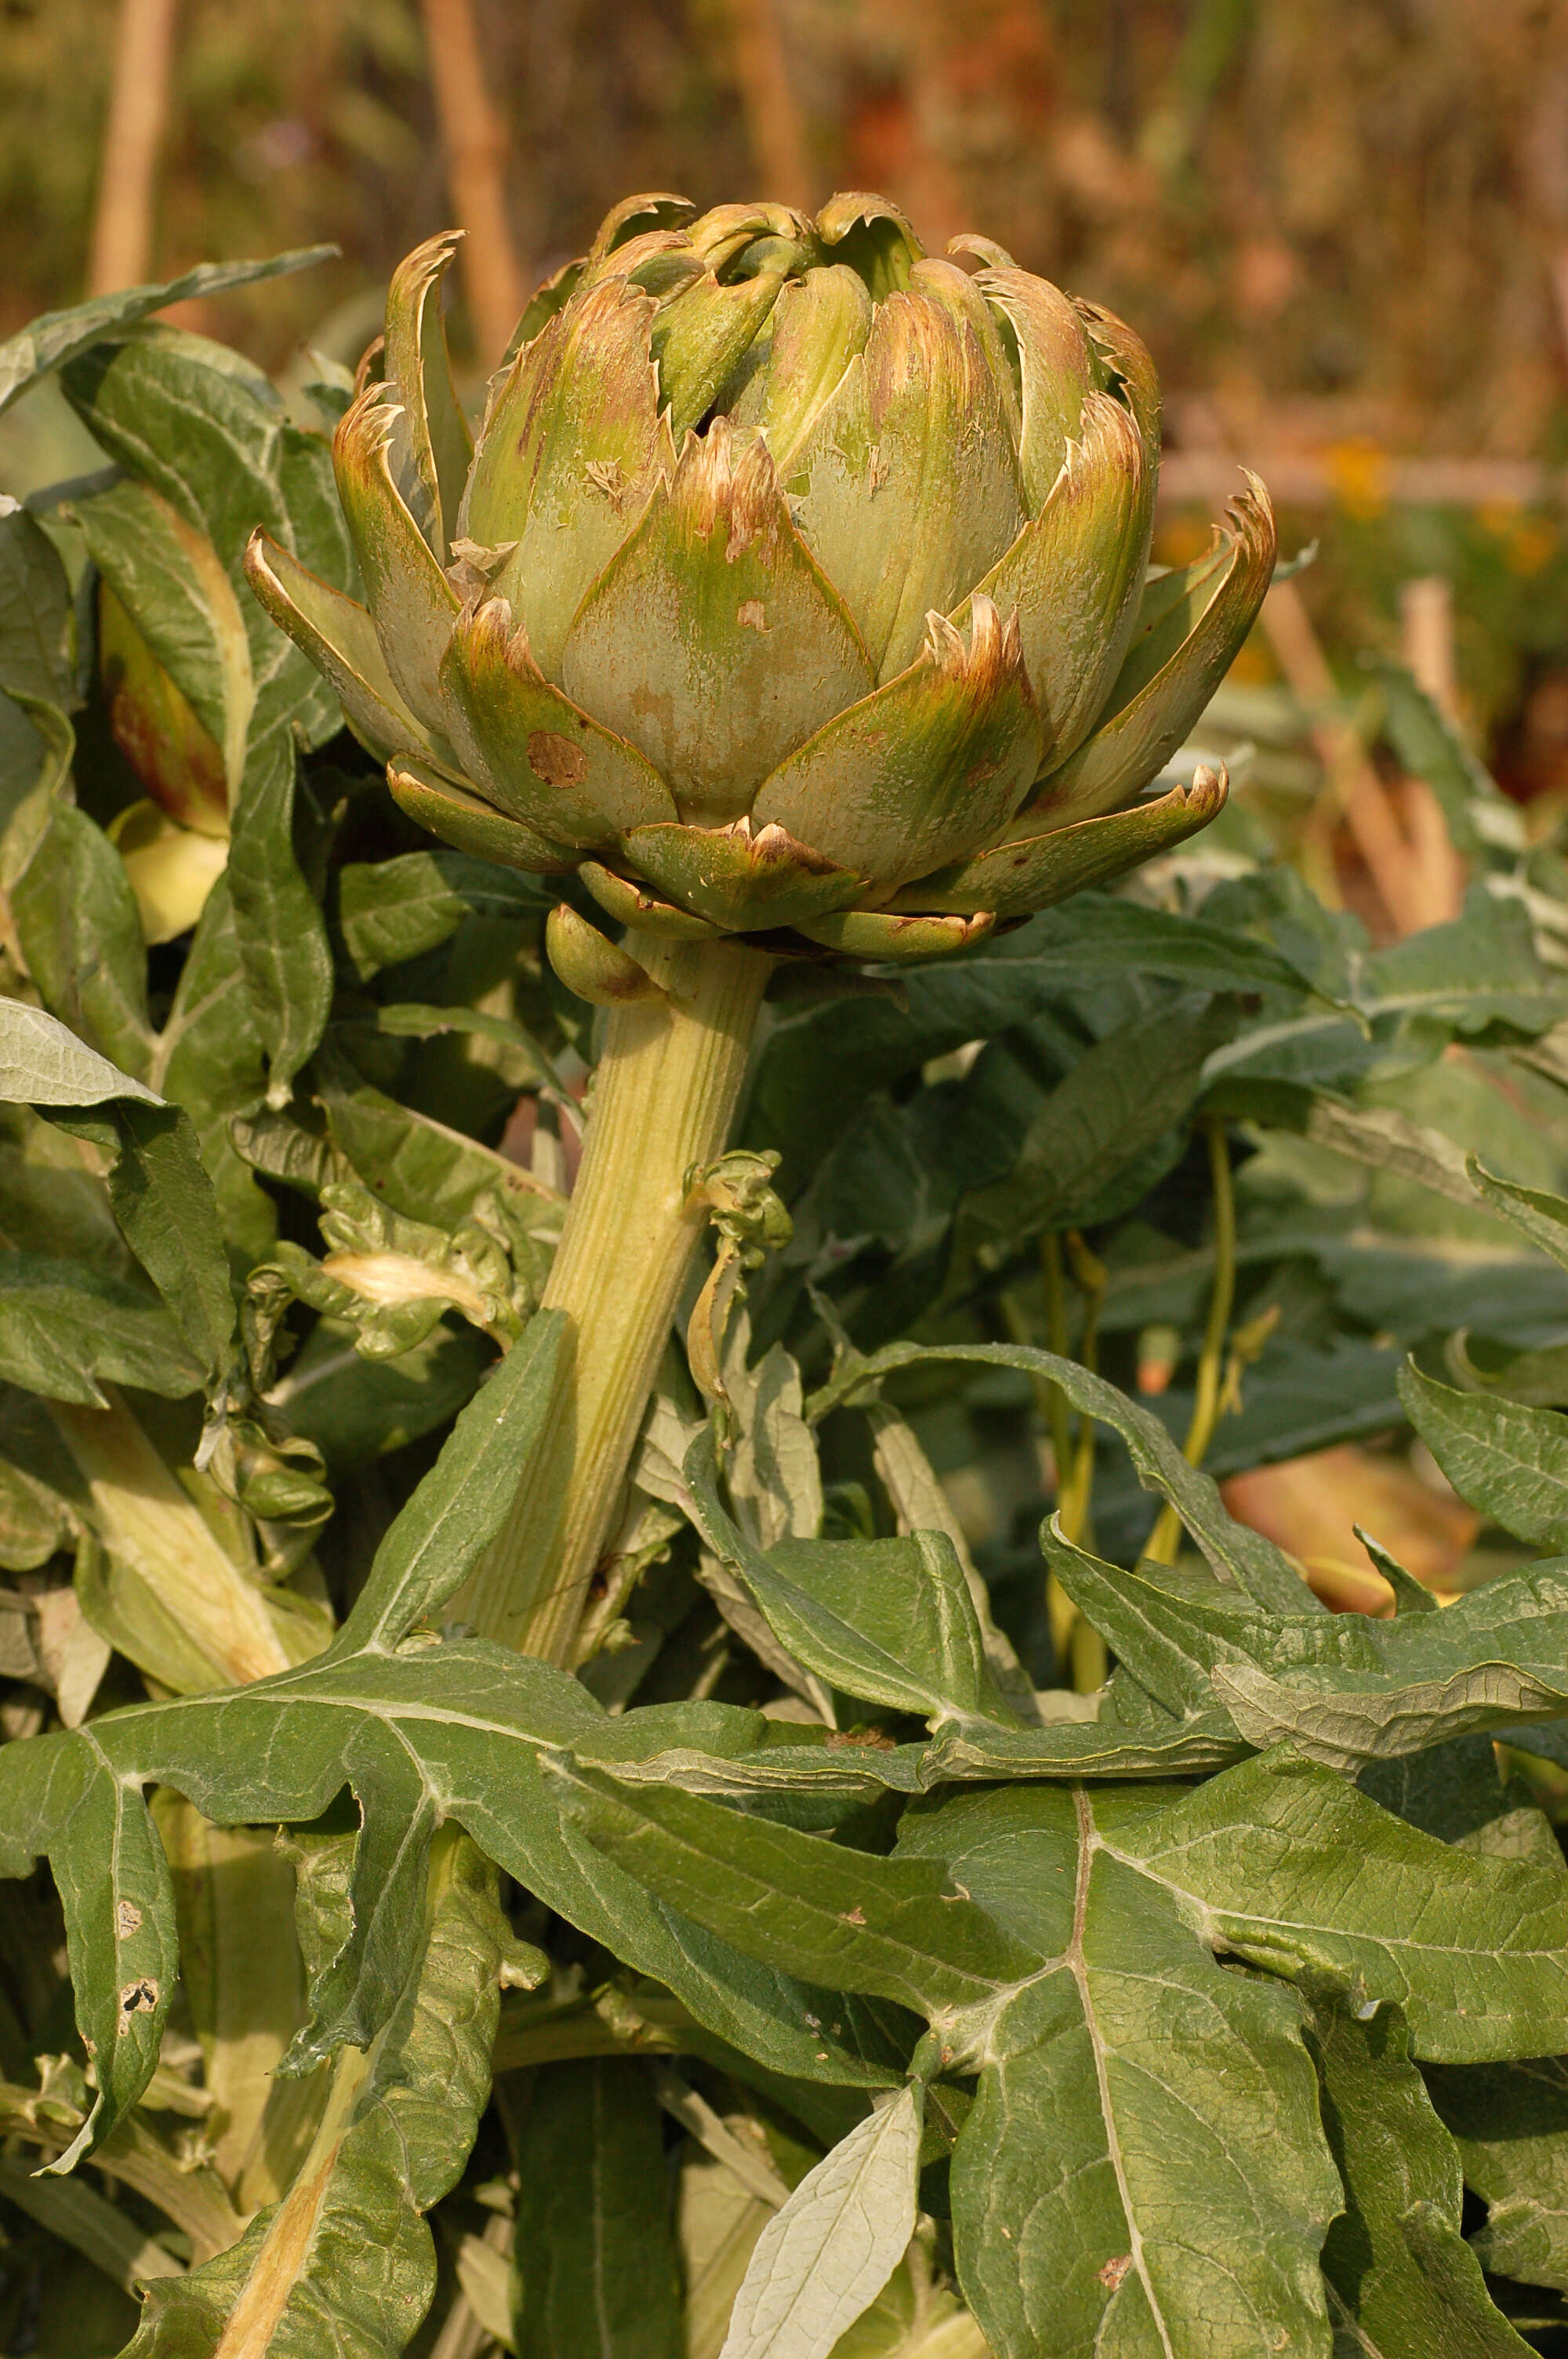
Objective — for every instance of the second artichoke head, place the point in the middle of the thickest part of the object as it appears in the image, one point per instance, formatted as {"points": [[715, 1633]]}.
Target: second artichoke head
{"points": [[797, 587]]}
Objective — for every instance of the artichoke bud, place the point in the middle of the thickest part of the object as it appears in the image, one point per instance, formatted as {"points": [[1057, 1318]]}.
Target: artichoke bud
{"points": [[796, 588], [178, 760]]}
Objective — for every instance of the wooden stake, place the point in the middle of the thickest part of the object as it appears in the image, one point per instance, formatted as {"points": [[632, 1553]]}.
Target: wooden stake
{"points": [[1426, 623], [122, 247], [1369, 812], [475, 142], [1426, 619], [775, 130]]}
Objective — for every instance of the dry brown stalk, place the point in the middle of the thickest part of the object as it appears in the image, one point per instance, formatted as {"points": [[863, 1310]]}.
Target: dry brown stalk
{"points": [[474, 140], [122, 247], [1369, 811], [1426, 618], [775, 127], [1306, 478]]}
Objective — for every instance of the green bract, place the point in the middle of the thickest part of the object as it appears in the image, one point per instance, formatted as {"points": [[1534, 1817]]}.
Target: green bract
{"points": [[797, 585]]}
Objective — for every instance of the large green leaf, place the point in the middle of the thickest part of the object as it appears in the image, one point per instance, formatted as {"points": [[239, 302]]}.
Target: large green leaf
{"points": [[395, 909], [1432, 748], [1240, 1557], [169, 577], [1542, 1217], [889, 1621], [168, 1213], [1482, 968], [43, 1063], [1086, 1156], [594, 2268], [819, 1065], [827, 2252], [36, 624], [424, 1733], [210, 1061], [1342, 1688], [421, 1167], [279, 931], [1145, 2133]]}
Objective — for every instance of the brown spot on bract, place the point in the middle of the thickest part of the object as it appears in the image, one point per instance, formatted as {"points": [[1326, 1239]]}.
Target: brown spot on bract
{"points": [[751, 614], [1114, 2271], [556, 759], [127, 1917], [853, 1917], [137, 1998]]}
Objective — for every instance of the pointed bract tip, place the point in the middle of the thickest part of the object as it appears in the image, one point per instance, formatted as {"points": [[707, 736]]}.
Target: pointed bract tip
{"points": [[995, 649], [984, 249], [657, 205]]}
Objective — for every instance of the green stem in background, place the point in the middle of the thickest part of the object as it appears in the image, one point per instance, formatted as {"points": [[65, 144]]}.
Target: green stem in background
{"points": [[1166, 1538], [663, 1098], [1078, 1650], [1087, 1659]]}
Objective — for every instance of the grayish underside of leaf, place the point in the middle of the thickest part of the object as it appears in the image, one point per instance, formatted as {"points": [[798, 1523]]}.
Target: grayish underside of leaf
{"points": [[828, 2252]]}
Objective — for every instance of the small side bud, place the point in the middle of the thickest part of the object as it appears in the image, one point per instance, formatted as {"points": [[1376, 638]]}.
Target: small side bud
{"points": [[593, 967]]}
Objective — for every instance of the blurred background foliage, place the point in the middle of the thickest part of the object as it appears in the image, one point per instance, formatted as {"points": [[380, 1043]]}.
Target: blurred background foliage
{"points": [[1342, 225]]}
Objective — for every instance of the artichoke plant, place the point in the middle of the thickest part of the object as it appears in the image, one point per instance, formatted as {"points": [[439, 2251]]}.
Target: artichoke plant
{"points": [[795, 596], [795, 588]]}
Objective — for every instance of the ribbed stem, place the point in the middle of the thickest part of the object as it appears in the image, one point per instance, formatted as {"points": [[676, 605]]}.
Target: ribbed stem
{"points": [[664, 1097]]}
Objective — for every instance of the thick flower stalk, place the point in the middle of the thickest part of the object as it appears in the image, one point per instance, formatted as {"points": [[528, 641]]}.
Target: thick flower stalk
{"points": [[796, 596]]}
